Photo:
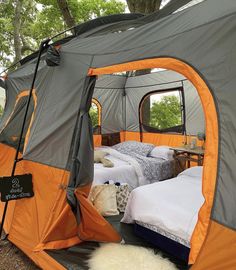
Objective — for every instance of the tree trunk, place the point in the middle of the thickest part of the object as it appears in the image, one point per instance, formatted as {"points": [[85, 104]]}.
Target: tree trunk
{"points": [[65, 11], [144, 6], [16, 32]]}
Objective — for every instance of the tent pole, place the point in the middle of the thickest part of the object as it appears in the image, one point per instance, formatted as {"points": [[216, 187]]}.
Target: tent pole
{"points": [[42, 46]]}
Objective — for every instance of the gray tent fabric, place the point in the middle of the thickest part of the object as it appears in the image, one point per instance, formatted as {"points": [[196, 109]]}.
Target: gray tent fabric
{"points": [[109, 93], [82, 147], [106, 20], [138, 87], [122, 112], [195, 120], [129, 23], [206, 42], [11, 132], [56, 111]]}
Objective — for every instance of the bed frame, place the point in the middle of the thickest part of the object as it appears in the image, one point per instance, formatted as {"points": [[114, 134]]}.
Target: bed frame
{"points": [[166, 244]]}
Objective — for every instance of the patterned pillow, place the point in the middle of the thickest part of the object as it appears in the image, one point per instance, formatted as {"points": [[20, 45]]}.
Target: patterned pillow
{"points": [[133, 147], [122, 196]]}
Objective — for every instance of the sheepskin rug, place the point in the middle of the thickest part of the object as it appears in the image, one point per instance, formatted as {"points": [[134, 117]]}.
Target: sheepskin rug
{"points": [[127, 257]]}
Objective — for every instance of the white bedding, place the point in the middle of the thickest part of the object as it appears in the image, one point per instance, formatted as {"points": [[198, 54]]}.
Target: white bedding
{"points": [[126, 170], [171, 205], [122, 172]]}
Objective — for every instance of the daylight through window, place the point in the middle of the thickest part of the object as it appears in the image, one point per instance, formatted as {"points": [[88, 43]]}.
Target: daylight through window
{"points": [[95, 115], [162, 111]]}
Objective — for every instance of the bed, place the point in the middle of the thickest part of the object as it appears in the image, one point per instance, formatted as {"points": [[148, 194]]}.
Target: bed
{"points": [[133, 164], [167, 210]]}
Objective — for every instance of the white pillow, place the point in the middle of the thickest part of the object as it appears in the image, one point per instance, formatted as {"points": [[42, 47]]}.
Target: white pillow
{"points": [[163, 152], [195, 171]]}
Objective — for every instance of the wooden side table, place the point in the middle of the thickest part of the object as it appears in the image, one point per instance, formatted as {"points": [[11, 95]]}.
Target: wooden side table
{"points": [[183, 157]]}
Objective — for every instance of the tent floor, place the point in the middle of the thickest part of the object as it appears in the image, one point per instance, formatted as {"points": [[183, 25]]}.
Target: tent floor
{"points": [[75, 258]]}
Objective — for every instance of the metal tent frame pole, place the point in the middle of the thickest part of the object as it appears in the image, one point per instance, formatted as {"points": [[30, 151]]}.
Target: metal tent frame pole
{"points": [[41, 48]]}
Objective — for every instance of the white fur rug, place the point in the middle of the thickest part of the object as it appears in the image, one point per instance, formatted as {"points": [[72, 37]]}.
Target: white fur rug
{"points": [[127, 257]]}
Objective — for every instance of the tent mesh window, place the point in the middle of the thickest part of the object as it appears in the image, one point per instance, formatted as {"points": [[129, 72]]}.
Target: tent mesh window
{"points": [[163, 111], [11, 132], [95, 115]]}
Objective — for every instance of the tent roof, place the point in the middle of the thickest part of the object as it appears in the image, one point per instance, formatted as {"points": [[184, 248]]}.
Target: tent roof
{"points": [[141, 30], [184, 21], [116, 23]]}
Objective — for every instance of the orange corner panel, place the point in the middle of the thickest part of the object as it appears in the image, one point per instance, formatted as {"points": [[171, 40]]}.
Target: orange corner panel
{"points": [[31, 120], [219, 246], [97, 140], [93, 227]]}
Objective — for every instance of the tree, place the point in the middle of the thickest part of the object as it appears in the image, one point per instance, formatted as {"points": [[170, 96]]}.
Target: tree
{"points": [[166, 113], [93, 112], [143, 6], [16, 29], [15, 39], [1, 111], [65, 11], [25, 23]]}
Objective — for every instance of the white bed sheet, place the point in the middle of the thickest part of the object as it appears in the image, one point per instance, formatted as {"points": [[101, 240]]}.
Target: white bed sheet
{"points": [[170, 205], [122, 172]]}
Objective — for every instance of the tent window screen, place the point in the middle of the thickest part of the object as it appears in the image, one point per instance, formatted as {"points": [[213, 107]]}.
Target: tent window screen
{"points": [[11, 133], [163, 111], [95, 115]]}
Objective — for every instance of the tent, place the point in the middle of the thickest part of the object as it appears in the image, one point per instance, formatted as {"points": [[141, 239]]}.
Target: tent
{"points": [[57, 149]]}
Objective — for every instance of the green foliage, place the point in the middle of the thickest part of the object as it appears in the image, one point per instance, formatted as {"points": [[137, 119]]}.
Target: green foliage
{"points": [[1, 111], [93, 112], [86, 10], [6, 30], [48, 21], [166, 113], [42, 18]]}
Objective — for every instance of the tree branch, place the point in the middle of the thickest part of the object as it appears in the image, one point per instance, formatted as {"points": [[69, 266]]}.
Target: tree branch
{"points": [[65, 11], [26, 46]]}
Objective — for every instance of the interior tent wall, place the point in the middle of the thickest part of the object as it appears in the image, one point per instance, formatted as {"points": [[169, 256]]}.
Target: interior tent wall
{"points": [[120, 98], [109, 92], [137, 87]]}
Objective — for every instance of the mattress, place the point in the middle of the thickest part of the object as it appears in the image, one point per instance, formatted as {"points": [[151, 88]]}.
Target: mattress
{"points": [[169, 207], [134, 171], [163, 242]]}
